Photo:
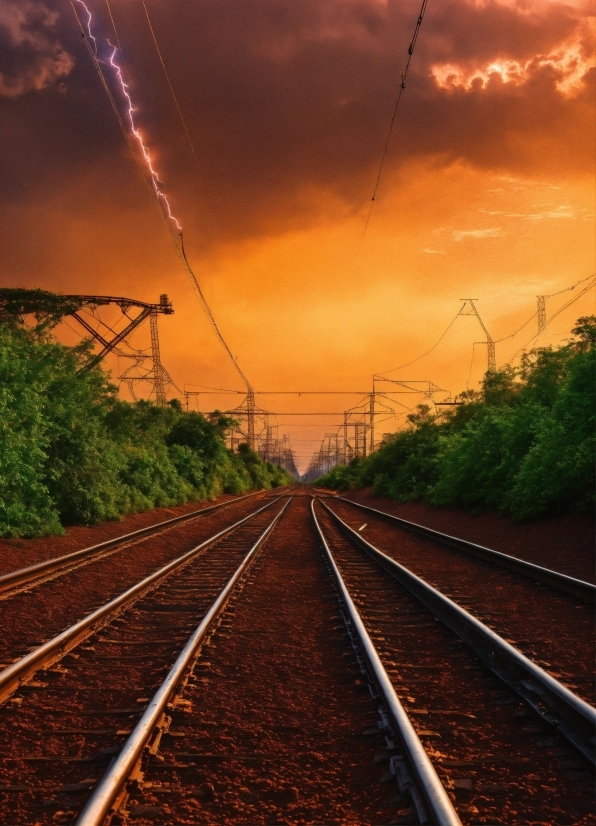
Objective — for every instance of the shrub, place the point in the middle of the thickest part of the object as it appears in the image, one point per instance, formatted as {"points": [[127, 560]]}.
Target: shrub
{"points": [[71, 452], [524, 445]]}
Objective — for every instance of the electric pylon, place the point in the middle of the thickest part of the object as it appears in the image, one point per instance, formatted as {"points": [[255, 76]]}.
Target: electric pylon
{"points": [[490, 344], [541, 312]]}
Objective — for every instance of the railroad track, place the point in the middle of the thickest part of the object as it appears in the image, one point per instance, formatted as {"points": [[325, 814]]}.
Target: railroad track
{"points": [[344, 662], [130, 645], [562, 582], [546, 615], [33, 575], [140, 788], [488, 713], [37, 611]]}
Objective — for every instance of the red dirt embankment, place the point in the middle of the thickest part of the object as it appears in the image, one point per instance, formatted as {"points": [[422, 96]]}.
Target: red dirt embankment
{"points": [[20, 553], [563, 543]]}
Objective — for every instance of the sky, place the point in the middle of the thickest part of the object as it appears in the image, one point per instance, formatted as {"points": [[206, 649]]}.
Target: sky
{"points": [[487, 190]]}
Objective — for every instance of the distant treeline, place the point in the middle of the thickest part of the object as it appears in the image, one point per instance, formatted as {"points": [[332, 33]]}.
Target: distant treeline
{"points": [[525, 444], [71, 452]]}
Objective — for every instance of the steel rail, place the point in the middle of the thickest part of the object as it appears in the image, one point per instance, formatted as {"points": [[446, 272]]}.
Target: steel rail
{"points": [[22, 576], [106, 793], [433, 791], [569, 714], [58, 646], [569, 584]]}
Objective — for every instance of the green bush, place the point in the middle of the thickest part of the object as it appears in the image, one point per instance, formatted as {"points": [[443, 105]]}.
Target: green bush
{"points": [[71, 452], [557, 473], [26, 506], [524, 445]]}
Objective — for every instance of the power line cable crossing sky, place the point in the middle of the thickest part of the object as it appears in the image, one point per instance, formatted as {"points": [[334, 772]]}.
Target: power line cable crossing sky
{"points": [[402, 89]]}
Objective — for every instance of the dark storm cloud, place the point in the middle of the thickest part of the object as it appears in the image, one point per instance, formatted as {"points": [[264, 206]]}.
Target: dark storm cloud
{"points": [[285, 100], [31, 58]]}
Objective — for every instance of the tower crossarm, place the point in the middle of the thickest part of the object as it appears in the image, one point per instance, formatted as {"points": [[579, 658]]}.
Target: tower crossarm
{"points": [[164, 306], [475, 312]]}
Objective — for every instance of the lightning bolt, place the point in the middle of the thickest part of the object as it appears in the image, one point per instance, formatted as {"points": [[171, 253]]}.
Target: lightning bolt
{"points": [[157, 184], [145, 161]]}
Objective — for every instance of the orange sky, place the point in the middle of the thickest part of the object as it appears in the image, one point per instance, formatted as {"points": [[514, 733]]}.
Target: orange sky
{"points": [[487, 192]]}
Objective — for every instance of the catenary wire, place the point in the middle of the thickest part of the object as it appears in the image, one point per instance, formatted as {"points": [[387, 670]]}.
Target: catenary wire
{"points": [[402, 88], [573, 286], [552, 295], [554, 315], [443, 334], [165, 71]]}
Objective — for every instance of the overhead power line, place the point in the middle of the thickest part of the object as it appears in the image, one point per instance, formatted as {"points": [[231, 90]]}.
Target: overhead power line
{"points": [[165, 71], [573, 286], [402, 88], [551, 295], [439, 340], [571, 301], [187, 266], [590, 278]]}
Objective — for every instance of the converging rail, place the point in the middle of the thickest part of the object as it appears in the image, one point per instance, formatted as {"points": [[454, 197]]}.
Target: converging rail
{"points": [[106, 794], [51, 651], [33, 573], [577, 587], [572, 717], [331, 691], [438, 803]]}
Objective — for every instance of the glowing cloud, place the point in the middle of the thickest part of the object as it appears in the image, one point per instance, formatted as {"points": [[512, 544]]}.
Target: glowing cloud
{"points": [[476, 234], [570, 60]]}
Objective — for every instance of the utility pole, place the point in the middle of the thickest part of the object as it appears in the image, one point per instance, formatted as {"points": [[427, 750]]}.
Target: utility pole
{"points": [[346, 448], [541, 312], [360, 439], [250, 418], [372, 422]]}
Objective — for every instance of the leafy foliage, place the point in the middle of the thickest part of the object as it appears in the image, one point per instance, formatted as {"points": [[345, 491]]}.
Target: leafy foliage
{"points": [[47, 308], [524, 445], [71, 452]]}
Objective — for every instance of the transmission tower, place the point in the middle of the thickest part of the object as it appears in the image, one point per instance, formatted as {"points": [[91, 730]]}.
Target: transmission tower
{"points": [[125, 304], [541, 312], [288, 461], [250, 417], [158, 376], [346, 446], [249, 414], [269, 449], [158, 372], [51, 306], [490, 344]]}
